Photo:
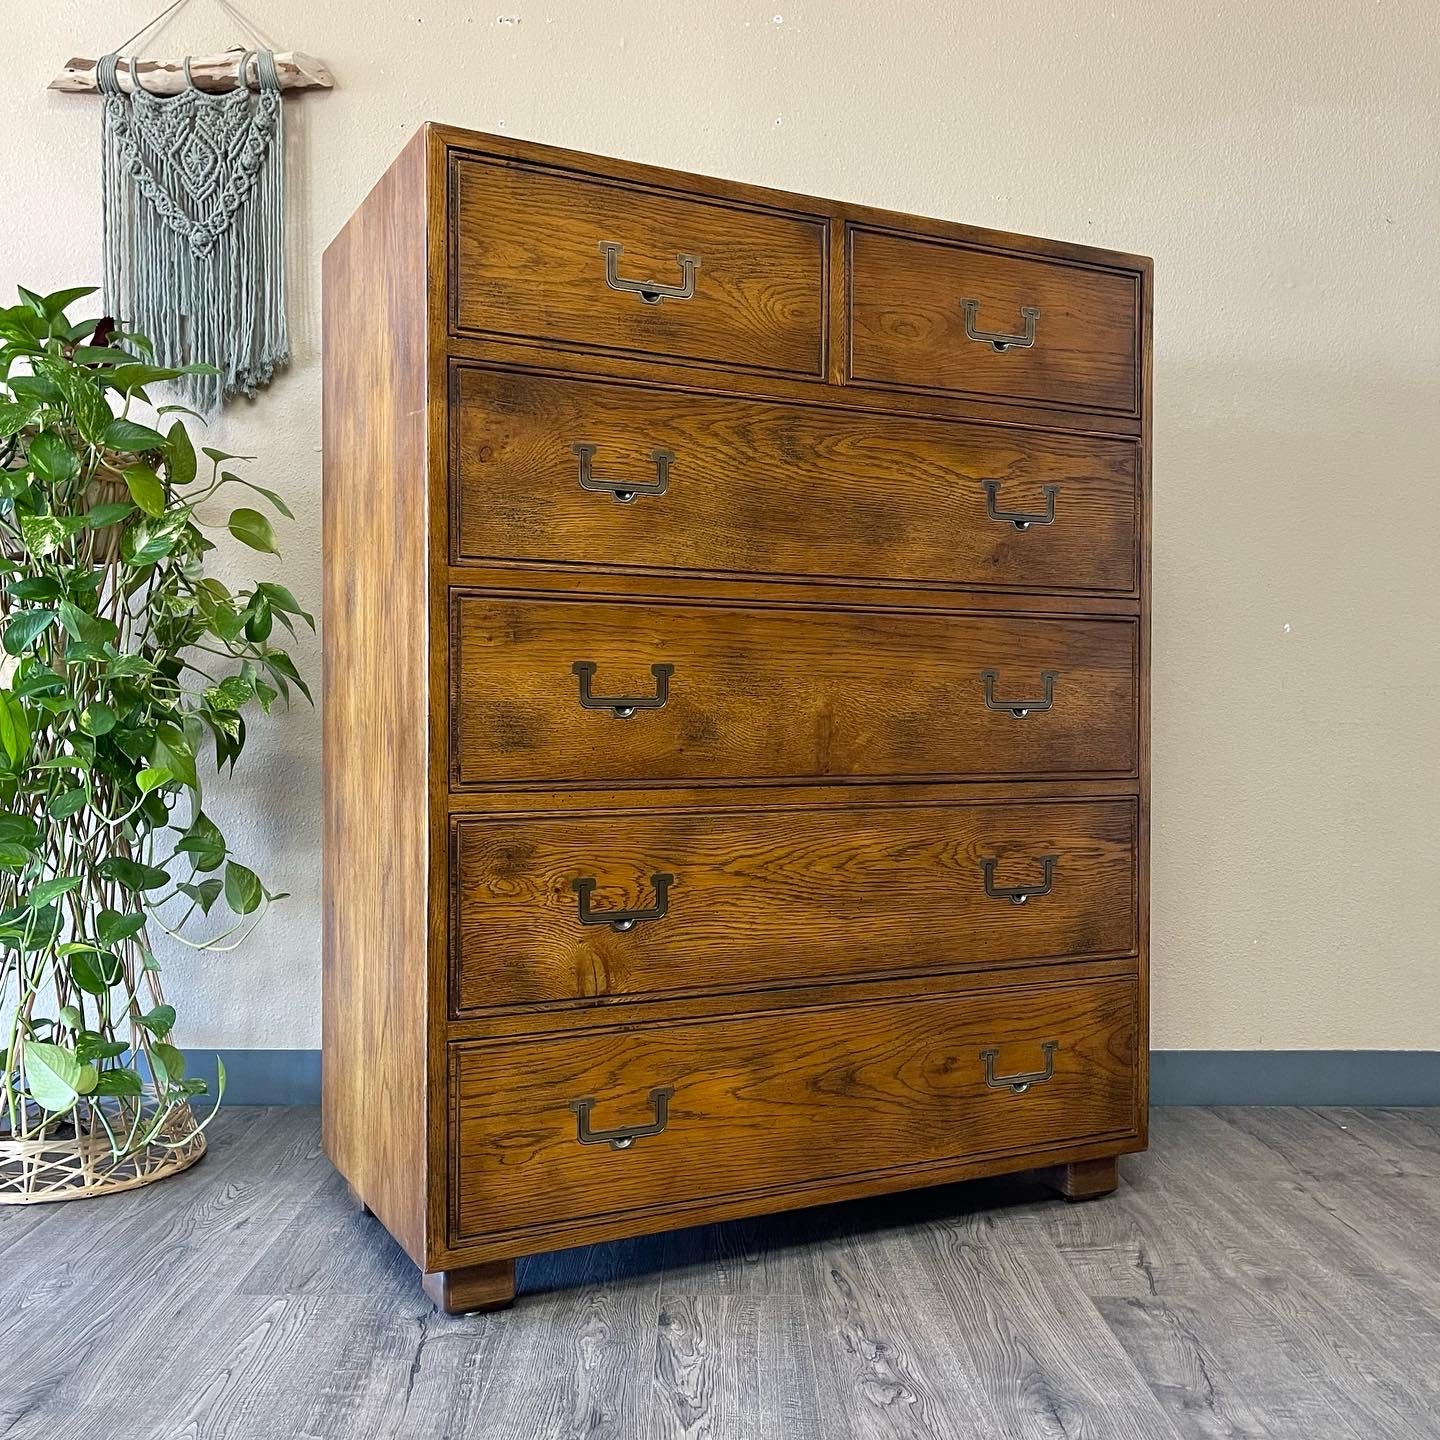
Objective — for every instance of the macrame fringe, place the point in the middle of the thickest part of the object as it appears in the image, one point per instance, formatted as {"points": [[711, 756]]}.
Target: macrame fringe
{"points": [[195, 258]]}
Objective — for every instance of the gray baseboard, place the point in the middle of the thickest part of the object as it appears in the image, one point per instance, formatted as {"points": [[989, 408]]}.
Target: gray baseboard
{"points": [[1177, 1077]]}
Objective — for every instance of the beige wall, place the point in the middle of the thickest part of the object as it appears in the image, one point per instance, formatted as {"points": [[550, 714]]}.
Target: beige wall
{"points": [[1279, 161]]}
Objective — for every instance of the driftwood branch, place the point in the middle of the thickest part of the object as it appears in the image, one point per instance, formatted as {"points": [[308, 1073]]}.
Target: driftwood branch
{"points": [[215, 73]]}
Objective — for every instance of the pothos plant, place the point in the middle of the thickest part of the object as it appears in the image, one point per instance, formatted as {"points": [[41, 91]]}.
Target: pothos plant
{"points": [[126, 669]]}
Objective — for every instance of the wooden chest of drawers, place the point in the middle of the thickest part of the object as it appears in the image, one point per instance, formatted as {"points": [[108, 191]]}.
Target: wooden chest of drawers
{"points": [[736, 704]]}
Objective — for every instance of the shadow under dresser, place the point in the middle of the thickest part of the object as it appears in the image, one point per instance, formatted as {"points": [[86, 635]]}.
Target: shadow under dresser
{"points": [[736, 704]]}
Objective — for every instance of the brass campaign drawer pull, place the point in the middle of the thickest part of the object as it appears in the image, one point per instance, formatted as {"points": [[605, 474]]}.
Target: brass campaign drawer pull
{"points": [[624, 491], [622, 920], [1020, 708], [998, 339], [624, 1136], [1018, 894], [1020, 519], [1022, 1082], [651, 292], [622, 707]]}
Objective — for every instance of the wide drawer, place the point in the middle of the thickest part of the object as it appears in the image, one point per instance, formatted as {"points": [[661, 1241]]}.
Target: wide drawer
{"points": [[595, 263], [930, 314], [580, 472], [659, 1117], [639, 905], [562, 691]]}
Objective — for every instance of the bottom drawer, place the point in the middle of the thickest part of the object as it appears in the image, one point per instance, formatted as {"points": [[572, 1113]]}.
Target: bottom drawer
{"points": [[658, 1117]]}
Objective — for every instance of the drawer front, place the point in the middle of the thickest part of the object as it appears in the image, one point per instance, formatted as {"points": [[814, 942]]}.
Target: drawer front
{"points": [[644, 905], [566, 471], [937, 315], [575, 691], [561, 1129], [601, 265]]}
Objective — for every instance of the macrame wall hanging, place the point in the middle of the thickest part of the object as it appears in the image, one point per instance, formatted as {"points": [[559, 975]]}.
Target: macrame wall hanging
{"points": [[193, 176]]}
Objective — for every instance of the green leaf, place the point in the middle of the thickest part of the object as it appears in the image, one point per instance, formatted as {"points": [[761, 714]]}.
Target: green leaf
{"points": [[42, 534], [243, 891], [280, 599], [25, 628], [121, 434], [49, 890], [97, 719], [13, 855], [68, 802], [205, 894], [69, 1015], [15, 415], [56, 1079], [159, 1021], [173, 752], [14, 730], [282, 668], [96, 972], [181, 466], [120, 1081], [251, 528], [58, 301], [153, 777], [145, 489], [36, 587], [99, 516], [131, 873], [91, 629], [204, 843], [52, 459], [231, 693], [19, 827], [168, 1063], [111, 926]]}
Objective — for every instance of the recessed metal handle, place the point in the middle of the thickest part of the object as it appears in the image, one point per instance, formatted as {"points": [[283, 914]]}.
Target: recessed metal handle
{"points": [[1018, 894], [650, 291], [1020, 519], [1020, 708], [998, 340], [624, 490], [622, 707], [622, 920], [1022, 1082], [626, 1135]]}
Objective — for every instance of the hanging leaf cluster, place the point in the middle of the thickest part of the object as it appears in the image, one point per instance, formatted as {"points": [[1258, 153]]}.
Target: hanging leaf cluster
{"points": [[126, 670]]}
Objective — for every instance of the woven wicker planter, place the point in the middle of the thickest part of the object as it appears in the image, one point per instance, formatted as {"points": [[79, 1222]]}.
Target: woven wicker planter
{"points": [[73, 1158]]}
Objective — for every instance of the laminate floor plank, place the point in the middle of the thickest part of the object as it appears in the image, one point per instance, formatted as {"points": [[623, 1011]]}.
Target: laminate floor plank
{"points": [[1259, 1273]]}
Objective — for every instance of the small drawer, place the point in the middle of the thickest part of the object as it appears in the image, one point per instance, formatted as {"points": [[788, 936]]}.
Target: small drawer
{"points": [[643, 905], [659, 1117], [585, 472], [597, 264], [562, 691], [938, 315]]}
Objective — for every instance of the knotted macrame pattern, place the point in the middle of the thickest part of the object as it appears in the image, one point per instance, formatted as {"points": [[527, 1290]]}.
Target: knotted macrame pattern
{"points": [[194, 193]]}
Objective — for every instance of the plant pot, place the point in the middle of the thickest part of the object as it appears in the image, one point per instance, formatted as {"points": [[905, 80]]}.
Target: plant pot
{"points": [[73, 1158]]}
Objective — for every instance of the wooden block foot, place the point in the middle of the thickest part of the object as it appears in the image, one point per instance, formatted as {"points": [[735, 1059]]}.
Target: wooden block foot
{"points": [[355, 1199], [473, 1287], [1084, 1179]]}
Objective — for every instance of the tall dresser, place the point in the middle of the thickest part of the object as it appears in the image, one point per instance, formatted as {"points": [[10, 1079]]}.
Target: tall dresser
{"points": [[736, 704]]}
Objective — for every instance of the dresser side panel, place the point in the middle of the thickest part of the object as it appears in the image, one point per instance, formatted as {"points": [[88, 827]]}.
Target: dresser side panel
{"points": [[376, 701]]}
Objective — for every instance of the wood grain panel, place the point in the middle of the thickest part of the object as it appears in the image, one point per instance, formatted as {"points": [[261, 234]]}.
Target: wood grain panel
{"points": [[765, 489], [768, 1101], [377, 649], [528, 263], [781, 693], [908, 323], [762, 898]]}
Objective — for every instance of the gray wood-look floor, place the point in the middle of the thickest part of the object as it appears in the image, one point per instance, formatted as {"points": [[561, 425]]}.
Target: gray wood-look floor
{"points": [[1259, 1273]]}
